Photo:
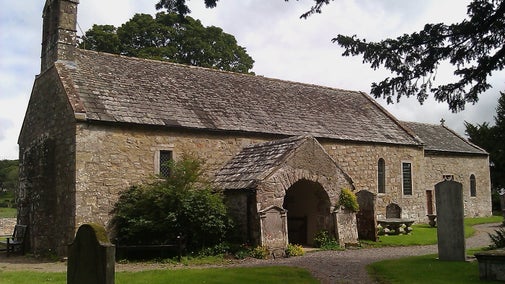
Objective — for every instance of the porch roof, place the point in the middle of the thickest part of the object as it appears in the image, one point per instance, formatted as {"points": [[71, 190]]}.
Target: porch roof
{"points": [[256, 162]]}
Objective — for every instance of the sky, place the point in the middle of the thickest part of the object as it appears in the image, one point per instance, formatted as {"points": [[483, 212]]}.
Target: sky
{"points": [[282, 45]]}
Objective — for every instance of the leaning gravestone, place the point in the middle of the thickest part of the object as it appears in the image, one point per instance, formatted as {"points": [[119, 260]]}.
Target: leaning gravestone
{"points": [[91, 257], [450, 214]]}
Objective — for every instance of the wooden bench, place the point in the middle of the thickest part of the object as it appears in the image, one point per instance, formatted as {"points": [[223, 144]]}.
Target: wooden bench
{"points": [[16, 242], [123, 251]]}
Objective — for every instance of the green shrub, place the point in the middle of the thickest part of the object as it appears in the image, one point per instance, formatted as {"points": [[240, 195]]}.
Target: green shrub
{"points": [[241, 254], [294, 250], [181, 204], [260, 252], [348, 200], [219, 249], [324, 241], [497, 239]]}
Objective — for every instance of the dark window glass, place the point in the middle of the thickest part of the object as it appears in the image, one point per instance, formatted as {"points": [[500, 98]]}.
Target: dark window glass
{"points": [[165, 158], [381, 176], [473, 186], [407, 178]]}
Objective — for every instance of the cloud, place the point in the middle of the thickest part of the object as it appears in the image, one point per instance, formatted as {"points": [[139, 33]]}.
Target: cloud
{"points": [[8, 140], [283, 46], [4, 124]]}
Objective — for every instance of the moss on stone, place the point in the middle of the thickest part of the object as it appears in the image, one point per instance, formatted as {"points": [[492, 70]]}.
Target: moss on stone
{"points": [[100, 233]]}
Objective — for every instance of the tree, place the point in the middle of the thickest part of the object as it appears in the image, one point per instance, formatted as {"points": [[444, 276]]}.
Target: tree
{"points": [[491, 138], [9, 172], [102, 38], [183, 203], [172, 38], [474, 46]]}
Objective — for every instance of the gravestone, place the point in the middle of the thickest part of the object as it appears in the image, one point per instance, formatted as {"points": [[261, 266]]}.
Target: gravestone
{"points": [[501, 193], [274, 229], [91, 257], [393, 210], [346, 229], [366, 217], [450, 227]]}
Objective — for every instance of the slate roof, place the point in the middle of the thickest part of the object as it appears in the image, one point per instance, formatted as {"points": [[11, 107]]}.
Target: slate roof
{"points": [[256, 162], [438, 138], [112, 88]]}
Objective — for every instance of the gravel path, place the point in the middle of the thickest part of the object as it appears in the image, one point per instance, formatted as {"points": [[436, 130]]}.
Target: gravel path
{"points": [[349, 266], [328, 266]]}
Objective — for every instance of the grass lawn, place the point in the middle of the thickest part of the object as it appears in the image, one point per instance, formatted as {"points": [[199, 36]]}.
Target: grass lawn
{"points": [[425, 269], [423, 234], [8, 212], [271, 274]]}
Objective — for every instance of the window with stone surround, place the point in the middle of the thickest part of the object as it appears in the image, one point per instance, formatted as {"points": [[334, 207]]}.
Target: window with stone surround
{"points": [[381, 176], [407, 178], [473, 186], [164, 158]]}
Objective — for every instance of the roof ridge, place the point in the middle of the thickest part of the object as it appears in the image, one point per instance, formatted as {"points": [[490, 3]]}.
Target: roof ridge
{"points": [[421, 127], [464, 139], [215, 70], [394, 119], [119, 89]]}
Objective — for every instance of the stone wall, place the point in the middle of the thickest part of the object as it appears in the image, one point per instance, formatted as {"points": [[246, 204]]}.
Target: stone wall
{"points": [[360, 162], [109, 160], [46, 156], [461, 167]]}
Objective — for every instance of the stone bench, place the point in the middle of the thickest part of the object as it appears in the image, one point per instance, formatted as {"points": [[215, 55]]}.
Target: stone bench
{"points": [[491, 264], [394, 226]]}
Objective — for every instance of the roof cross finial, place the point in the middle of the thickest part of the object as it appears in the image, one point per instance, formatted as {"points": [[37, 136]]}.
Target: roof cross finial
{"points": [[442, 122]]}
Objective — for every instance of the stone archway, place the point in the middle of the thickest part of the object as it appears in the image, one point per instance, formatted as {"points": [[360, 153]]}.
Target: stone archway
{"points": [[309, 211], [295, 174]]}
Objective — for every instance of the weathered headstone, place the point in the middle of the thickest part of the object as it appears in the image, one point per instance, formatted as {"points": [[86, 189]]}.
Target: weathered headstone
{"points": [[91, 257], [393, 210], [274, 228], [450, 214], [346, 228], [366, 217]]}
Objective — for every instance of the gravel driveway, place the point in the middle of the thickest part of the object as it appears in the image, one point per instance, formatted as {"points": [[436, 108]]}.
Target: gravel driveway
{"points": [[328, 266]]}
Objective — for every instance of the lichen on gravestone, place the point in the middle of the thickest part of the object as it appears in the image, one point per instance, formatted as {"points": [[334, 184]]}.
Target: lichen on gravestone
{"points": [[91, 257]]}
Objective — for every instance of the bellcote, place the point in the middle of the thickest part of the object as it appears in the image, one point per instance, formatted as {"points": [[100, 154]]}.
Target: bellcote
{"points": [[59, 34]]}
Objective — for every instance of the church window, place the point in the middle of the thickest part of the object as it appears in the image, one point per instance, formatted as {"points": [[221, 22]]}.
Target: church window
{"points": [[165, 156], [473, 186], [407, 178], [381, 176]]}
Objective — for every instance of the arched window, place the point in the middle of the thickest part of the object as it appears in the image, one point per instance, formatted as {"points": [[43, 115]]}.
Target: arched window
{"points": [[473, 186], [381, 176]]}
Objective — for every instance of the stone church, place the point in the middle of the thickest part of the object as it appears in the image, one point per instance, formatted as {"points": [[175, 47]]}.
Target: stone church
{"points": [[282, 151]]}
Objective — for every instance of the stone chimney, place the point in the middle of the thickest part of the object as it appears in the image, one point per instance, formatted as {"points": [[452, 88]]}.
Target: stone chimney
{"points": [[59, 34]]}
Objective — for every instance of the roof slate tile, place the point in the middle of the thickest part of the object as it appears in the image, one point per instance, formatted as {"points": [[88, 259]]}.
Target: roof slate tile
{"points": [[438, 138], [115, 88]]}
